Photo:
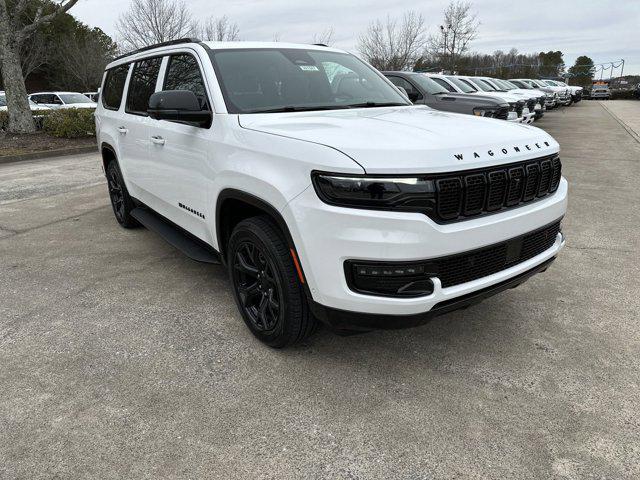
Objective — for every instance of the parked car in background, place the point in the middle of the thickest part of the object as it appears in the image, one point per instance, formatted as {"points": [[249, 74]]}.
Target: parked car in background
{"points": [[326, 194], [565, 89], [576, 91], [535, 101], [454, 84], [93, 96], [62, 100], [34, 107], [423, 90], [486, 89], [600, 90], [551, 99], [562, 94]]}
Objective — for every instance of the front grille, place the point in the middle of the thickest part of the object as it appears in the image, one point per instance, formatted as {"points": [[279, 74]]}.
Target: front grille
{"points": [[495, 189], [470, 266], [502, 113], [519, 108]]}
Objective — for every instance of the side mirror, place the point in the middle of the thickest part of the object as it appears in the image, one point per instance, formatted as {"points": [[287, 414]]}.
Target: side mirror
{"points": [[180, 106], [402, 91]]}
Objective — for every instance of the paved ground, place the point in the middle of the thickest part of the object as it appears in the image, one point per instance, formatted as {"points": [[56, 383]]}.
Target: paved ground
{"points": [[627, 113], [120, 358]]}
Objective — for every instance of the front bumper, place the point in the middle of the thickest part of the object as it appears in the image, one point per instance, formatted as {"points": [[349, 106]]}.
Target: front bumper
{"points": [[341, 320], [326, 236], [528, 118]]}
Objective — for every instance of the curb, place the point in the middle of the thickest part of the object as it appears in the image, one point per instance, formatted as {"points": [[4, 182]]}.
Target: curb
{"points": [[629, 130], [48, 154]]}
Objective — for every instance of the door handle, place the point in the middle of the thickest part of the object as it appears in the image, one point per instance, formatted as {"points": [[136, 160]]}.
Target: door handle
{"points": [[123, 130], [157, 139]]}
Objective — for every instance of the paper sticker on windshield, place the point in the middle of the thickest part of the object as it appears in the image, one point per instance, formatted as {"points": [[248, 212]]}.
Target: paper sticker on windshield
{"points": [[309, 68]]}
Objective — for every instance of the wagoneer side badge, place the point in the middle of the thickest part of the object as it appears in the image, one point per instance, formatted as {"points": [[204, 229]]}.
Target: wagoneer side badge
{"points": [[504, 151]]}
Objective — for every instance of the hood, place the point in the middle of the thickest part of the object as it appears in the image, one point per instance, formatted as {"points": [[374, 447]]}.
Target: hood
{"points": [[409, 139], [524, 95], [504, 96], [477, 100], [528, 93]]}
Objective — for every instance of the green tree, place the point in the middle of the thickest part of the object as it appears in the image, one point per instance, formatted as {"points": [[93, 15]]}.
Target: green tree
{"points": [[551, 63], [581, 73]]}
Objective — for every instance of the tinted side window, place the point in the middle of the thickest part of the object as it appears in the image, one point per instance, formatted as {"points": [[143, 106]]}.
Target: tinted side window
{"points": [[114, 87], [183, 73], [142, 85], [401, 82], [444, 84]]}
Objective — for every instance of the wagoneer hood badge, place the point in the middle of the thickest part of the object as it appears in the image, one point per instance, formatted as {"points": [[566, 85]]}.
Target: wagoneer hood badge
{"points": [[409, 139]]}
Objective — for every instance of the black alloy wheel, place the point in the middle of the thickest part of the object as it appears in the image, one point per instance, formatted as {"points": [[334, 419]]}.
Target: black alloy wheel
{"points": [[258, 287], [268, 287]]}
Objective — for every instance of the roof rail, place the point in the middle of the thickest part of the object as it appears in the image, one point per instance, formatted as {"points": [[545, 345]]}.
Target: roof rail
{"points": [[320, 45], [157, 45]]}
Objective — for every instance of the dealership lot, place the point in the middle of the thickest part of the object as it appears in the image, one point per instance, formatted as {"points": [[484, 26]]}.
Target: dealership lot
{"points": [[121, 358]]}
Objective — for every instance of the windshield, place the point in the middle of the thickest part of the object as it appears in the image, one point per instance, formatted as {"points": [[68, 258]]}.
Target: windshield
{"points": [[428, 84], [74, 98], [521, 84], [491, 83], [478, 84], [550, 83], [504, 84], [464, 86], [289, 79]]}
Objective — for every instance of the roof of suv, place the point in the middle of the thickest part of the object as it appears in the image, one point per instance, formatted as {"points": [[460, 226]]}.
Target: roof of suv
{"points": [[154, 50]]}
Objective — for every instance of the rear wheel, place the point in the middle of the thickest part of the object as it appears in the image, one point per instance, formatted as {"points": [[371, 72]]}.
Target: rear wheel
{"points": [[120, 200], [266, 285]]}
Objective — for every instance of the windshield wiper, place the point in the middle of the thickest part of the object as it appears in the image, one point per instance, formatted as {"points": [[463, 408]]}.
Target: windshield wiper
{"points": [[291, 108], [376, 104]]}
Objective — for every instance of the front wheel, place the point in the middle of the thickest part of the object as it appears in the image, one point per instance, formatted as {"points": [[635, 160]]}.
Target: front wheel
{"points": [[267, 288]]}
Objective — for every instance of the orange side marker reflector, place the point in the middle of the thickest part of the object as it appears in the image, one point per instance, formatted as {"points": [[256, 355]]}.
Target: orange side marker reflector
{"points": [[297, 264]]}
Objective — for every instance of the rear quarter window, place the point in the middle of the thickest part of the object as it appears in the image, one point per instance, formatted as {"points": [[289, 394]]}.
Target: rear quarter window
{"points": [[142, 85], [113, 90]]}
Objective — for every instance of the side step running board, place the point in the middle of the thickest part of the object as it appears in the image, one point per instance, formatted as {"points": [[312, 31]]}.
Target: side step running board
{"points": [[175, 236]]}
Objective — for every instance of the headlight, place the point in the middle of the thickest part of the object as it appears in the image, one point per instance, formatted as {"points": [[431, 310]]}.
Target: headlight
{"points": [[484, 111], [411, 194]]}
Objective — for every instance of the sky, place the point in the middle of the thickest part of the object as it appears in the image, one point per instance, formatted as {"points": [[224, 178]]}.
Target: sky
{"points": [[605, 30]]}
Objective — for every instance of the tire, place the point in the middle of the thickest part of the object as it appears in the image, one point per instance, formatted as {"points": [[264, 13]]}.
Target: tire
{"points": [[121, 201], [266, 286]]}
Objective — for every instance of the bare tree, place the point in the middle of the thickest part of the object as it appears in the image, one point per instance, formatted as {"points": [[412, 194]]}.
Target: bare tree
{"points": [[14, 32], [325, 37], [34, 53], [154, 21], [85, 60], [277, 37], [393, 44], [459, 29], [220, 29]]}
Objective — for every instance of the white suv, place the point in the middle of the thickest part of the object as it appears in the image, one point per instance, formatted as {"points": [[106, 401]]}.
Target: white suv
{"points": [[326, 194], [62, 100]]}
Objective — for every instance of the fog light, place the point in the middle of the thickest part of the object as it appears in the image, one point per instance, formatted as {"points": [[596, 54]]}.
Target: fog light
{"points": [[389, 279]]}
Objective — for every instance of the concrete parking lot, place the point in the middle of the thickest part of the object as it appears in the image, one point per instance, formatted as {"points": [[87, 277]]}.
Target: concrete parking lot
{"points": [[121, 358]]}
